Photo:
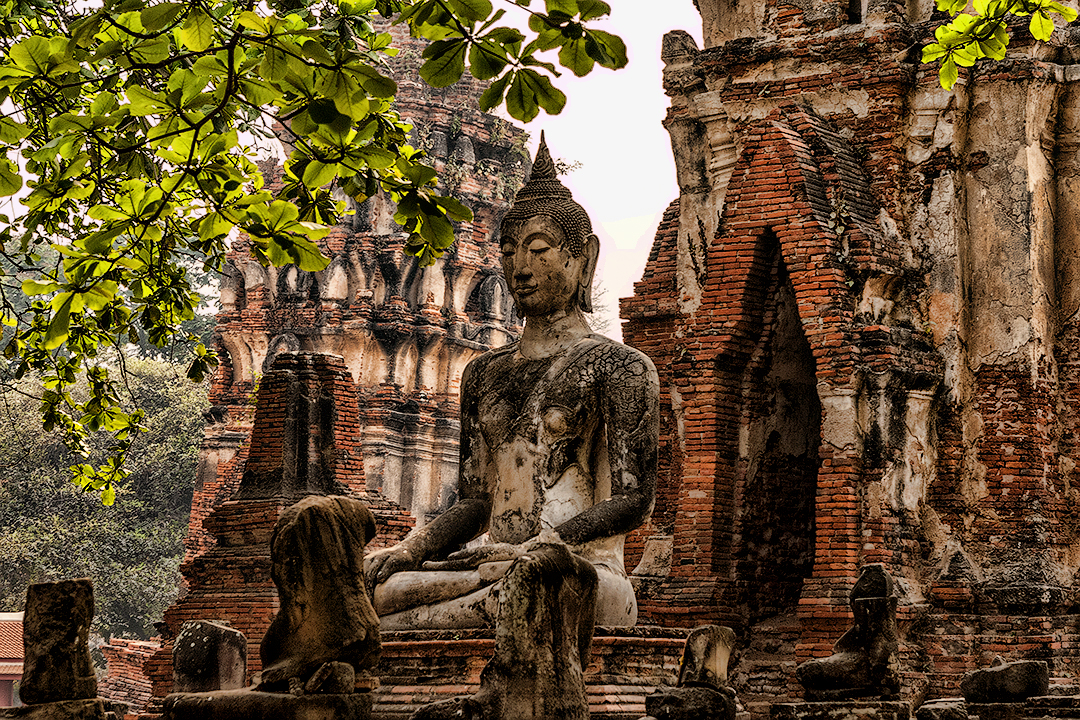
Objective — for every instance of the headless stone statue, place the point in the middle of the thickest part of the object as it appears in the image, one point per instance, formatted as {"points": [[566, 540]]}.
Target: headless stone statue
{"points": [[325, 615], [558, 448], [864, 662]]}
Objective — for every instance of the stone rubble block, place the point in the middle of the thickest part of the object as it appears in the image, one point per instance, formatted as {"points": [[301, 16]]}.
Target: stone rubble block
{"points": [[84, 709], [254, 705], [1007, 682], [843, 710], [56, 627], [209, 655]]}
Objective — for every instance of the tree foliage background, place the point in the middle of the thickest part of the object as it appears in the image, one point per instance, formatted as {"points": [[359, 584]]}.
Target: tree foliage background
{"points": [[125, 131], [50, 530]]}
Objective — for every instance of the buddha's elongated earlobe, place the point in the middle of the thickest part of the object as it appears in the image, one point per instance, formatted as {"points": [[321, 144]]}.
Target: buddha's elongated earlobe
{"points": [[591, 254]]}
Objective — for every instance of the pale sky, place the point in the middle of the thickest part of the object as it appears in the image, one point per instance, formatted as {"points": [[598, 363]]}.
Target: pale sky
{"points": [[611, 124]]}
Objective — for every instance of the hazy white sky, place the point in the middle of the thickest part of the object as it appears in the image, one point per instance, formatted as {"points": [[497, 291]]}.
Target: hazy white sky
{"points": [[611, 125]]}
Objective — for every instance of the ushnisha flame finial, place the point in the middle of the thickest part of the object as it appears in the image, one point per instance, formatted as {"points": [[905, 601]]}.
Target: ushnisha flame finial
{"points": [[543, 194]]}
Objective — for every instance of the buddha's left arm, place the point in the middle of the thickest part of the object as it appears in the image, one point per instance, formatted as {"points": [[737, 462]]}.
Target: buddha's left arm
{"points": [[629, 397]]}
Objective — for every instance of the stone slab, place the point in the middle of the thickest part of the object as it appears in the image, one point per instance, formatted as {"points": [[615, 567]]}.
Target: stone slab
{"points": [[252, 705], [86, 709], [997, 711], [843, 710]]}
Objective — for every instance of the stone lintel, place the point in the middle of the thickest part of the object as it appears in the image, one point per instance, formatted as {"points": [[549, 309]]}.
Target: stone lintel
{"points": [[252, 705], [843, 710], [87, 709]]}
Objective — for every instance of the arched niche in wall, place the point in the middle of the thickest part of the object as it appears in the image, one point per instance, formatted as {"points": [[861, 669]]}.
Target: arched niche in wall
{"points": [[780, 439], [239, 357], [232, 292], [285, 342], [254, 275], [293, 284], [490, 300], [333, 282], [373, 367], [405, 366]]}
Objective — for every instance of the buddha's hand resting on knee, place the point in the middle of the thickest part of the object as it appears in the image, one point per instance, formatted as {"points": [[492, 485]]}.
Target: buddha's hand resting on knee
{"points": [[381, 564], [472, 558]]}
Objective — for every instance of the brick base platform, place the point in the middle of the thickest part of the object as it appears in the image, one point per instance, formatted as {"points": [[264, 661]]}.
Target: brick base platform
{"points": [[423, 666]]}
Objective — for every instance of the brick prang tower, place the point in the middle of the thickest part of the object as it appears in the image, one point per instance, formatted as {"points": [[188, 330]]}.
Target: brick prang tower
{"points": [[864, 309]]}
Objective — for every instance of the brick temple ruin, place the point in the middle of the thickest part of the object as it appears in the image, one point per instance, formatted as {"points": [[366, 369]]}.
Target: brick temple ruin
{"points": [[863, 306], [863, 309]]}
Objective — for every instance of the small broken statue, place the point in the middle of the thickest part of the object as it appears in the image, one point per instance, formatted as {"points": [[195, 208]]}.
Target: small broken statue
{"points": [[325, 636], [703, 692], [864, 662]]}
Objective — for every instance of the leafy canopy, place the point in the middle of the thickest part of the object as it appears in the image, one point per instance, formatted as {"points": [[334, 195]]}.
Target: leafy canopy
{"points": [[132, 124], [966, 38]]}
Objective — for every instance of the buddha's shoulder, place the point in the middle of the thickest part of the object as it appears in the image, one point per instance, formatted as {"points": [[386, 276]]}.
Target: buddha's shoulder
{"points": [[612, 358]]}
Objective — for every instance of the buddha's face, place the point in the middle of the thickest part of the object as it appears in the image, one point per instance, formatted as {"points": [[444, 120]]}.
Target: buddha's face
{"points": [[542, 275]]}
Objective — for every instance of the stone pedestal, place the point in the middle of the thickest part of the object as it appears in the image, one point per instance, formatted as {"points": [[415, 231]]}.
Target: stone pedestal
{"points": [[423, 666], [843, 710], [251, 705], [86, 709]]}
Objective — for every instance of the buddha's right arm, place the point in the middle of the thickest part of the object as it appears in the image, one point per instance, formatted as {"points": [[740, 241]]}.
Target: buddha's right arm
{"points": [[462, 522]]}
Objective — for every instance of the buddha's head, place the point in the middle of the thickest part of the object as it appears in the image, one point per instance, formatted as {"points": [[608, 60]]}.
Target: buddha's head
{"points": [[549, 250]]}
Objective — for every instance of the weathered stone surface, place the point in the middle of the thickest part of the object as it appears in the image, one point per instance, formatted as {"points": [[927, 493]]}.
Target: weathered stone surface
{"points": [[943, 709], [1006, 682], [703, 692], [86, 709], [56, 626], [705, 659], [691, 703], [864, 661], [997, 711], [317, 553], [332, 678], [542, 639], [209, 655], [843, 710], [253, 705]]}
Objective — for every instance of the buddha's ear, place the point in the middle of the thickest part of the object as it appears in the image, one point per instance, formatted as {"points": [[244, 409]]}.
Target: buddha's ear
{"points": [[591, 254]]}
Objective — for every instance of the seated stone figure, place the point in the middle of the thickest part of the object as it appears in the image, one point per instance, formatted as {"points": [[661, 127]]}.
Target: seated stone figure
{"points": [[558, 439]]}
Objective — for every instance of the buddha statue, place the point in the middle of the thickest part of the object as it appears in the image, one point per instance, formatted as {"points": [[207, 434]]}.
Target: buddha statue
{"points": [[558, 440]]}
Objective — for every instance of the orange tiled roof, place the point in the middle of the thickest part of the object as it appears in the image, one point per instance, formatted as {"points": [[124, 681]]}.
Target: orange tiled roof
{"points": [[11, 640]]}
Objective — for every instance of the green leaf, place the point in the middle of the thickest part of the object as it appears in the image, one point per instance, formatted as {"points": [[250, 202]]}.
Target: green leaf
{"points": [[566, 7], [374, 83], [520, 100], [60, 324], [932, 51], [486, 61], [493, 96], [575, 57], [613, 46], [445, 62], [10, 179], [275, 64], [197, 32], [475, 10], [33, 287], [948, 74], [592, 9], [158, 17], [317, 174], [1041, 26]]}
